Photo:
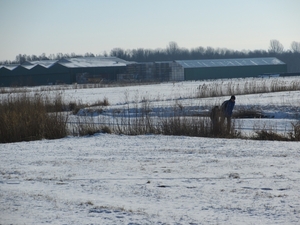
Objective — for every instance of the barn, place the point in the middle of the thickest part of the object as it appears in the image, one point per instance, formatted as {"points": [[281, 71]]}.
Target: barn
{"points": [[229, 68], [63, 71], [97, 69]]}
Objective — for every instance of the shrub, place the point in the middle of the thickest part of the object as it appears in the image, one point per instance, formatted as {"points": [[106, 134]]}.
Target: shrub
{"points": [[106, 130], [75, 107], [25, 118], [269, 136], [295, 133], [104, 102]]}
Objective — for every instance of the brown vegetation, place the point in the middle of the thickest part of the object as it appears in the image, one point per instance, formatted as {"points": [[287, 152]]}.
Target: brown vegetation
{"points": [[25, 118]]}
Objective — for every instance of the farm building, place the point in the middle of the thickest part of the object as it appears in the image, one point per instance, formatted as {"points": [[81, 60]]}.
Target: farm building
{"points": [[180, 70], [97, 69], [158, 71], [229, 68], [64, 71]]}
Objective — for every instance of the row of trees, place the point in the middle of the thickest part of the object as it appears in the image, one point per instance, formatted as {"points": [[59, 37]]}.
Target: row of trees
{"points": [[173, 52], [21, 58]]}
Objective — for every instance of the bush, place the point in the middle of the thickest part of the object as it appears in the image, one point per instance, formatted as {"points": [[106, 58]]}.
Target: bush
{"points": [[295, 134], [104, 102], [269, 136], [106, 130], [25, 118]]}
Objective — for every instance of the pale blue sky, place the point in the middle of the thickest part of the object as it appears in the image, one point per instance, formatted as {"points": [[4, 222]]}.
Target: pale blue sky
{"points": [[65, 26]]}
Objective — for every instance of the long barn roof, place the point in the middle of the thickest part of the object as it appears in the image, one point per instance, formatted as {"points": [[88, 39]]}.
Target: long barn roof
{"points": [[229, 62], [72, 63], [116, 62], [84, 62], [93, 62]]}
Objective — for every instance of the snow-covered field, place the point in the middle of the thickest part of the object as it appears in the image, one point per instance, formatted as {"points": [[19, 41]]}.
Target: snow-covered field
{"points": [[154, 179], [110, 179]]}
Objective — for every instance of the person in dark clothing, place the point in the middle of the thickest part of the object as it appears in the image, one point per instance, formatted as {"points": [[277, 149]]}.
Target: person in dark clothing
{"points": [[226, 111]]}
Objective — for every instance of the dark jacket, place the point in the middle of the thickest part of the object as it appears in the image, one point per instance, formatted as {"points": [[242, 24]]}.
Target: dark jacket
{"points": [[227, 110]]}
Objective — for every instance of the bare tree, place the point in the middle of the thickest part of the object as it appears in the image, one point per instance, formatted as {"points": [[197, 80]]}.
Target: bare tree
{"points": [[118, 52], [20, 58], [210, 52], [275, 47], [59, 56], [295, 46], [172, 48]]}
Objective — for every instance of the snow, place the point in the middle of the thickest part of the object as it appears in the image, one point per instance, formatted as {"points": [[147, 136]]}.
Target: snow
{"points": [[154, 179], [150, 179]]}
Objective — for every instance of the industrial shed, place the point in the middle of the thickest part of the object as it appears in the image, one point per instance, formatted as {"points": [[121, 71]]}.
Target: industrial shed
{"points": [[149, 71], [96, 69], [63, 71], [180, 70], [229, 68]]}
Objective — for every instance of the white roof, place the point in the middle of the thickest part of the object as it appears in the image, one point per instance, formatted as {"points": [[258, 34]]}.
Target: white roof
{"points": [[114, 61], [229, 62], [45, 63], [83, 62], [10, 66], [93, 62], [72, 63], [28, 66]]}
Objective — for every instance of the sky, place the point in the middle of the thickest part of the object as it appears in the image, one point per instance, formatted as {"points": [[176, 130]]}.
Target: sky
{"points": [[34, 27]]}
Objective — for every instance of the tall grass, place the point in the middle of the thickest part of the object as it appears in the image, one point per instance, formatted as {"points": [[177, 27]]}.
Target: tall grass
{"points": [[206, 88], [63, 87], [246, 86], [139, 119], [270, 133], [25, 118], [294, 135]]}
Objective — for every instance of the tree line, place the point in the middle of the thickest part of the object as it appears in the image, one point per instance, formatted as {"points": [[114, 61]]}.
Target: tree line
{"points": [[173, 52]]}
